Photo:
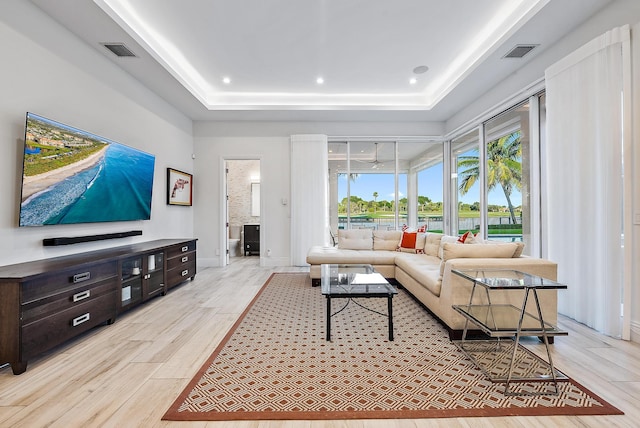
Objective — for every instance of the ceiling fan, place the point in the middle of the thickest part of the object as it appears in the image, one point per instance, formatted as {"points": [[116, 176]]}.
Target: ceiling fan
{"points": [[375, 163]]}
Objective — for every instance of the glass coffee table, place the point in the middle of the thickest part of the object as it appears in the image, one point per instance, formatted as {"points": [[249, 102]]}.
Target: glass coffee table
{"points": [[349, 281]]}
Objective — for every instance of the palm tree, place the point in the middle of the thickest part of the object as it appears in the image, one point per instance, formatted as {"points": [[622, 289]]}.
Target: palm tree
{"points": [[375, 201], [504, 167]]}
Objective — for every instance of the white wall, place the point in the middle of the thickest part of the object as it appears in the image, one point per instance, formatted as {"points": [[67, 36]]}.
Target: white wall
{"points": [[211, 151], [48, 71]]}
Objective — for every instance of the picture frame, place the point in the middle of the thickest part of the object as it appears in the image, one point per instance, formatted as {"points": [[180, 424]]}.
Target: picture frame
{"points": [[179, 187]]}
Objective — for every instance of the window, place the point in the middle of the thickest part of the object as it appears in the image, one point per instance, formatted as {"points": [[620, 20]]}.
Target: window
{"points": [[507, 172], [425, 168], [363, 195], [466, 183], [385, 184]]}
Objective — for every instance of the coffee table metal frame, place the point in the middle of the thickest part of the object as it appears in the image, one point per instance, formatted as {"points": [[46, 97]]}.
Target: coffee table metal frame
{"points": [[341, 281], [508, 321]]}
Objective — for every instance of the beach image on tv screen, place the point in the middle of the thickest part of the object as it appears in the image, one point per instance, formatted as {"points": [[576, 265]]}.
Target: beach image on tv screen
{"points": [[73, 176]]}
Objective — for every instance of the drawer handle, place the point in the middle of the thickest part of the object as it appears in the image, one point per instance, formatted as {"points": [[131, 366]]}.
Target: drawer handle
{"points": [[81, 296], [185, 249], [81, 319], [185, 272], [185, 259], [79, 277]]}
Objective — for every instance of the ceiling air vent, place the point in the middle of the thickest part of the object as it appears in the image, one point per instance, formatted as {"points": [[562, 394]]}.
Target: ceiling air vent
{"points": [[119, 49], [519, 51]]}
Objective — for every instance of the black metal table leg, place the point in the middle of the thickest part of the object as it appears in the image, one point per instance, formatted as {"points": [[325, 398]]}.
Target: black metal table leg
{"points": [[328, 318], [390, 311]]}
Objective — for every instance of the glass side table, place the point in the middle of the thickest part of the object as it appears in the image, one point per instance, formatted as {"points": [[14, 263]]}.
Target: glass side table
{"points": [[500, 321]]}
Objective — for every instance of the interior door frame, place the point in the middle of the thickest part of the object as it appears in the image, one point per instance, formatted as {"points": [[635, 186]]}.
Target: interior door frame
{"points": [[224, 256]]}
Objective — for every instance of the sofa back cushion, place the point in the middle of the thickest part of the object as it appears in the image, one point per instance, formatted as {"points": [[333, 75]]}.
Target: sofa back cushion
{"points": [[480, 251], [446, 239], [386, 239], [457, 251], [500, 251], [432, 243], [475, 240], [355, 239]]}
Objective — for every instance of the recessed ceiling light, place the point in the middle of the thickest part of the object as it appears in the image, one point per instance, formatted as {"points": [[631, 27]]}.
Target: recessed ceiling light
{"points": [[319, 80], [413, 81], [420, 69], [226, 80]]}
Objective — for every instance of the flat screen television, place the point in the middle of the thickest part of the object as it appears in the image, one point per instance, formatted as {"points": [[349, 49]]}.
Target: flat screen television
{"points": [[73, 176]]}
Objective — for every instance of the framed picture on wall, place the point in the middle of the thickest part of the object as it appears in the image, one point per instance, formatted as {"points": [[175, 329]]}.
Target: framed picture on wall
{"points": [[179, 187]]}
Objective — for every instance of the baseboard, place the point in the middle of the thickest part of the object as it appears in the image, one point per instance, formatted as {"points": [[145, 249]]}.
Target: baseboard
{"points": [[208, 263], [635, 331], [274, 261]]}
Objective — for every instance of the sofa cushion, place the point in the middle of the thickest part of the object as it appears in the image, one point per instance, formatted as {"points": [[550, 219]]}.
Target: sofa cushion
{"points": [[458, 251], [355, 239], [446, 239], [432, 243], [479, 240], [386, 239], [331, 255], [424, 269], [519, 249]]}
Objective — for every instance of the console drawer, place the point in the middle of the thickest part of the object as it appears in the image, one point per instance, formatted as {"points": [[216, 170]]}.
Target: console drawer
{"points": [[178, 250], [46, 332], [67, 299], [181, 273], [65, 281], [181, 260]]}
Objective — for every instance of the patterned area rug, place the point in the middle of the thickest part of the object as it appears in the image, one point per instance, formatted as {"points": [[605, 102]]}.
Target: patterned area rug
{"points": [[276, 364]]}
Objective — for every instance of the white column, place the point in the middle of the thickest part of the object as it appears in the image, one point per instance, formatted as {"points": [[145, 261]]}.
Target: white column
{"points": [[309, 196]]}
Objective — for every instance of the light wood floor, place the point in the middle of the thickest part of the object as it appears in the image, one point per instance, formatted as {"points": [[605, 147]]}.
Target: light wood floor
{"points": [[129, 373]]}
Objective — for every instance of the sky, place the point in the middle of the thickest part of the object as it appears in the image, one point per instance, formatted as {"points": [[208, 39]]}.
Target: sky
{"points": [[429, 184]]}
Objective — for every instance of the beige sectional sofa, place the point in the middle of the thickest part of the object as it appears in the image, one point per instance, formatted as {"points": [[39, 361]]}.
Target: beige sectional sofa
{"points": [[426, 269]]}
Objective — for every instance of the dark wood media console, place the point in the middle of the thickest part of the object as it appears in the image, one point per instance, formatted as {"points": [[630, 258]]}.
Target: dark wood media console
{"points": [[43, 303]]}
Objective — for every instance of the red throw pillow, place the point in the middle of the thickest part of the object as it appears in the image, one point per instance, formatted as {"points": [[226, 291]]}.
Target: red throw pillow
{"points": [[422, 228], [464, 237], [409, 240]]}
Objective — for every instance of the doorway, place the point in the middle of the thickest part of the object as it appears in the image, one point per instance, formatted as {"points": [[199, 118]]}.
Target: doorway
{"points": [[242, 220]]}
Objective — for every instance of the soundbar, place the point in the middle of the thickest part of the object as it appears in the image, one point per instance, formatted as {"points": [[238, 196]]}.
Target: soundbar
{"points": [[53, 242]]}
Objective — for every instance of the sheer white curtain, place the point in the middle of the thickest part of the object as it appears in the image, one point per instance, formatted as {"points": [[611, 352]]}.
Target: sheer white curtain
{"points": [[584, 179], [309, 209]]}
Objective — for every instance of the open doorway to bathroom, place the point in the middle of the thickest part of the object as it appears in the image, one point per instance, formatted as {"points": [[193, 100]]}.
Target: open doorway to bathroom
{"points": [[242, 209]]}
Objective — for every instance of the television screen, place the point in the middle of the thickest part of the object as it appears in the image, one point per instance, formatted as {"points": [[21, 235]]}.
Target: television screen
{"points": [[74, 176]]}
